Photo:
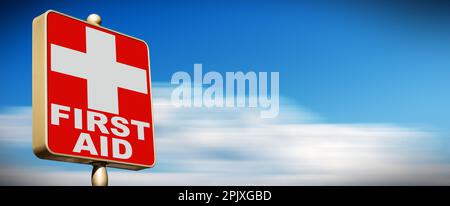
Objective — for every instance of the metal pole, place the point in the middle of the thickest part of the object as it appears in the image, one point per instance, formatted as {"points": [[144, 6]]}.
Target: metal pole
{"points": [[99, 176]]}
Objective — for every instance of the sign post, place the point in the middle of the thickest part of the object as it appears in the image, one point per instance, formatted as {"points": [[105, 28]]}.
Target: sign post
{"points": [[91, 95], [99, 176]]}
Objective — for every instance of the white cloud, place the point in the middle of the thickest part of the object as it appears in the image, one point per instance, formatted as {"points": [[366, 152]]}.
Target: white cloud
{"points": [[234, 146], [15, 125]]}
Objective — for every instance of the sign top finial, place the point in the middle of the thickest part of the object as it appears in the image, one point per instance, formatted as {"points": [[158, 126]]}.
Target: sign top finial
{"points": [[94, 19]]}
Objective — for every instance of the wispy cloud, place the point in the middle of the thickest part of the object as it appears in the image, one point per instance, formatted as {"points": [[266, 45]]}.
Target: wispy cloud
{"points": [[15, 125], [234, 146]]}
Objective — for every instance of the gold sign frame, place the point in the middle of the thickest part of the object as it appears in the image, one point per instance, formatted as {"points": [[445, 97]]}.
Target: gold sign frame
{"points": [[40, 100]]}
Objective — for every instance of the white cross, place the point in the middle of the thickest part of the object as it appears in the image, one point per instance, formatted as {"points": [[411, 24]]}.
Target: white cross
{"points": [[101, 70]]}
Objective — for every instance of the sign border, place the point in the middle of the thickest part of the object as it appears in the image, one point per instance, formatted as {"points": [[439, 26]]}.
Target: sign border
{"points": [[40, 100]]}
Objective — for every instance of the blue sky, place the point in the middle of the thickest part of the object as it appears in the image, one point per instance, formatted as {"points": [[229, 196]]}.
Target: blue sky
{"points": [[386, 65], [349, 63]]}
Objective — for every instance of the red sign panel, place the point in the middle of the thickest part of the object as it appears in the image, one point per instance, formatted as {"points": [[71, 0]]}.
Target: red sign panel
{"points": [[98, 95]]}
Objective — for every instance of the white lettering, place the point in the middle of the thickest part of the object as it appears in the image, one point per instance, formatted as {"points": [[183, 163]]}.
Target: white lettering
{"points": [[89, 146], [56, 115]]}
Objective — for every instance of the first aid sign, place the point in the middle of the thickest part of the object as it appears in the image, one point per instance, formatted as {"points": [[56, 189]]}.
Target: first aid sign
{"points": [[91, 94]]}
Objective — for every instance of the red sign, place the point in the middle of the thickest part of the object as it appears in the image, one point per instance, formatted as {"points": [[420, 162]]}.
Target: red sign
{"points": [[97, 94]]}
